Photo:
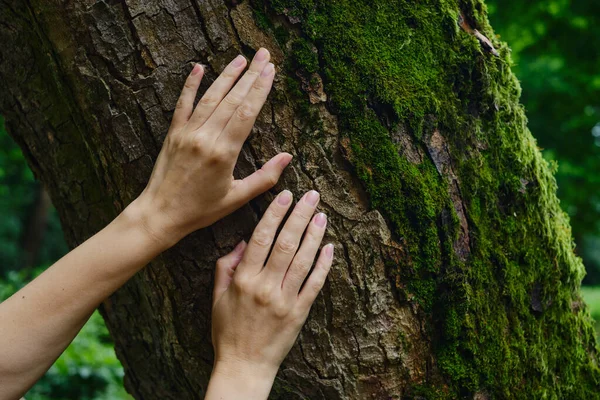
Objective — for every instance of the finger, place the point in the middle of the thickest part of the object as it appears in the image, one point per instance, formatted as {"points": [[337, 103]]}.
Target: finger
{"points": [[305, 257], [234, 98], [264, 234], [260, 181], [239, 126], [215, 93], [226, 266], [185, 104], [289, 238], [316, 280]]}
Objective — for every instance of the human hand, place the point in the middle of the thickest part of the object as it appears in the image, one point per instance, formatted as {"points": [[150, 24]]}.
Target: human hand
{"points": [[192, 183], [260, 305]]}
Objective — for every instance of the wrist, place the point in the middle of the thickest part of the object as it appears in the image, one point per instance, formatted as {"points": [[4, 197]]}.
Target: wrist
{"points": [[152, 223], [236, 380]]}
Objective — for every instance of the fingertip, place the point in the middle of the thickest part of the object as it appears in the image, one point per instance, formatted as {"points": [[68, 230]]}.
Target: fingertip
{"points": [[320, 220], [284, 198], [267, 70], [198, 68], [285, 160], [239, 248], [239, 61], [329, 251], [262, 54]]}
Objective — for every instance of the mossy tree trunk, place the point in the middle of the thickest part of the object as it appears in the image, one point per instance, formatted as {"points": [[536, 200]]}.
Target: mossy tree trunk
{"points": [[455, 275]]}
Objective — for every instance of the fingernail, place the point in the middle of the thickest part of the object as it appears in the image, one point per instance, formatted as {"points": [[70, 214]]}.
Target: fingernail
{"points": [[261, 54], [321, 220], [268, 70], [238, 61], [196, 70], [329, 250], [240, 246], [284, 198], [312, 197]]}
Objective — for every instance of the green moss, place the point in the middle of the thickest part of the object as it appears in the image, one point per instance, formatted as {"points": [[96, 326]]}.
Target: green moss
{"points": [[304, 56], [263, 22], [424, 391], [261, 19], [502, 321], [281, 35]]}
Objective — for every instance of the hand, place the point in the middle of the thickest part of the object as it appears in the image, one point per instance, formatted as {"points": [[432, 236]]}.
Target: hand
{"points": [[260, 305], [192, 183]]}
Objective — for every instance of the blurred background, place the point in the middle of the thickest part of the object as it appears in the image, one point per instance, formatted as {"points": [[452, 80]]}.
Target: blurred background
{"points": [[555, 52]]}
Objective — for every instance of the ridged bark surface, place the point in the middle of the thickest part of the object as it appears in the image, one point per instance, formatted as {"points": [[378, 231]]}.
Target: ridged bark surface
{"points": [[455, 274]]}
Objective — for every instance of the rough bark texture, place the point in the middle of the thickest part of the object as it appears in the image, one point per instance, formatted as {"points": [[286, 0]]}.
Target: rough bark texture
{"points": [[455, 273]]}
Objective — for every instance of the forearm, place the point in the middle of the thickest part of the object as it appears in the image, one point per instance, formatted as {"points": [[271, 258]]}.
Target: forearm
{"points": [[39, 321]]}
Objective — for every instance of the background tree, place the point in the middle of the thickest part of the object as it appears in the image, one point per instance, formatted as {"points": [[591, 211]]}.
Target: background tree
{"points": [[457, 275]]}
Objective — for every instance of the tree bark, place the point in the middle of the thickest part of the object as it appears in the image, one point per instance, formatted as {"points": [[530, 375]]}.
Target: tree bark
{"points": [[455, 273]]}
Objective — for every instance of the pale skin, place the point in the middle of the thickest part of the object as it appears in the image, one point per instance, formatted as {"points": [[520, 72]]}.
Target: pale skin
{"points": [[259, 302]]}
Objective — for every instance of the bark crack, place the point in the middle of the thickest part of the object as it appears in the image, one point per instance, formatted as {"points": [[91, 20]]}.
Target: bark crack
{"points": [[136, 38], [313, 367], [203, 27]]}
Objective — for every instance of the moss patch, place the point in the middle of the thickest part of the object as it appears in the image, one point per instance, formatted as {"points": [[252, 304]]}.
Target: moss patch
{"points": [[503, 322]]}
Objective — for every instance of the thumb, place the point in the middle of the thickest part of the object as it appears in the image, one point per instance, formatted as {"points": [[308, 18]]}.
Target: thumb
{"points": [[226, 266], [260, 181]]}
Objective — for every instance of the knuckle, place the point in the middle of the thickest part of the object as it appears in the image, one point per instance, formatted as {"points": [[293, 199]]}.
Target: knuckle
{"points": [[262, 239], [303, 215], [316, 286], [232, 99], [245, 112], [222, 263], [197, 146], [271, 179], [281, 309], [219, 157], [257, 85], [229, 74], [171, 139], [286, 245], [180, 104], [277, 213], [208, 100], [314, 239], [302, 266], [189, 85], [295, 275], [264, 295], [240, 283], [176, 142]]}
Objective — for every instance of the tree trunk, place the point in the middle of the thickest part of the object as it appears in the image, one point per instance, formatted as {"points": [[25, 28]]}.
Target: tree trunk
{"points": [[455, 273]]}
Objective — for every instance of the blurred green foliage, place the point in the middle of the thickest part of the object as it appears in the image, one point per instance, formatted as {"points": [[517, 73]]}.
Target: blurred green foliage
{"points": [[591, 296], [555, 51], [18, 190], [88, 369]]}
